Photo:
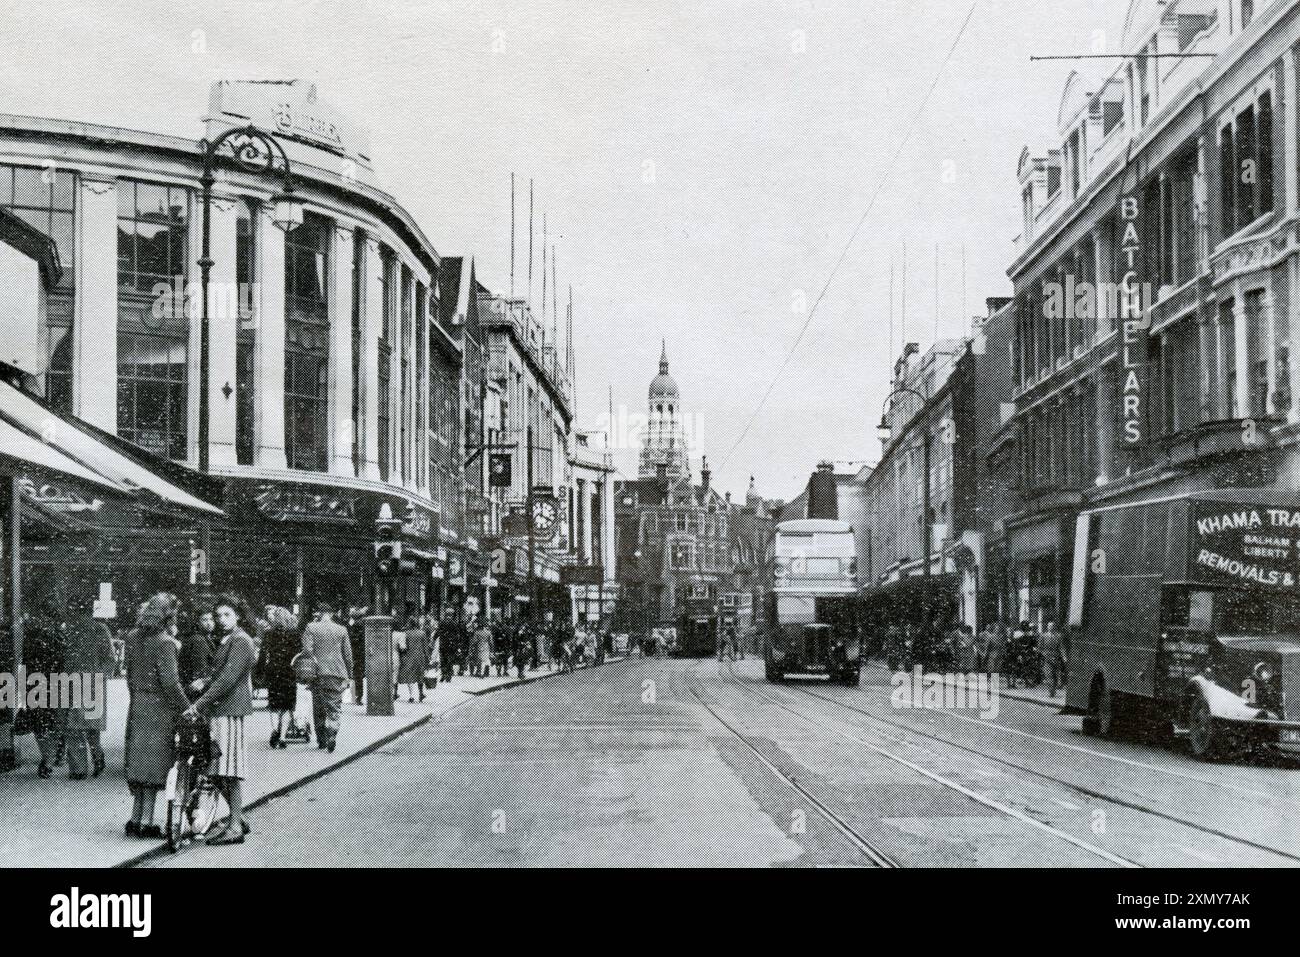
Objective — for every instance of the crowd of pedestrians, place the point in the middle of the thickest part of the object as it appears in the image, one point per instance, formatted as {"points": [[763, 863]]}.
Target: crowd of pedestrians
{"points": [[1020, 653], [204, 670]]}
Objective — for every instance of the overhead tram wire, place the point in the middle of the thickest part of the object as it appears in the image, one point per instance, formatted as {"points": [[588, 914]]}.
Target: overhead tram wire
{"points": [[911, 128]]}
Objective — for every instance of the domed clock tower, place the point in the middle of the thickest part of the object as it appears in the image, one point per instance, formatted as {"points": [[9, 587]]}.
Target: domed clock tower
{"points": [[665, 436]]}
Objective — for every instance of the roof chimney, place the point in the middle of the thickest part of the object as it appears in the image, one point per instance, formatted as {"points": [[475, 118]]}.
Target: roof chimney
{"points": [[705, 474]]}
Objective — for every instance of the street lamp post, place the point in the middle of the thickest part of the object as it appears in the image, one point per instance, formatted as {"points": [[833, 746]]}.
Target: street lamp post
{"points": [[254, 151], [884, 433]]}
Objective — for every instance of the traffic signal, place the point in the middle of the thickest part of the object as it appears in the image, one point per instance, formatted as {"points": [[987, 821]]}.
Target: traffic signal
{"points": [[388, 552]]}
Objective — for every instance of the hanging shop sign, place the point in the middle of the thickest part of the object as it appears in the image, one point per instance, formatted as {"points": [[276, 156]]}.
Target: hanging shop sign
{"points": [[499, 470], [1133, 372]]}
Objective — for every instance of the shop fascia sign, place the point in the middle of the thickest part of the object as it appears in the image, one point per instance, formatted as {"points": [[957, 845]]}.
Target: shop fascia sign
{"points": [[292, 112], [1246, 545], [419, 522], [281, 502], [57, 498]]}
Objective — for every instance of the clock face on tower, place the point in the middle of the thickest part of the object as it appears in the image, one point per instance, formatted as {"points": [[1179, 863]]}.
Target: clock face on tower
{"points": [[544, 516]]}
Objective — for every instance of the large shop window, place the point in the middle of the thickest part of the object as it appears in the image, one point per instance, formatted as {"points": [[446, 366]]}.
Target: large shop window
{"points": [[45, 198], [153, 329], [246, 332], [306, 344]]}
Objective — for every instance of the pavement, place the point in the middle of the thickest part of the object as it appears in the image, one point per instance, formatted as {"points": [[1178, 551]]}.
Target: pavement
{"points": [[56, 822]]}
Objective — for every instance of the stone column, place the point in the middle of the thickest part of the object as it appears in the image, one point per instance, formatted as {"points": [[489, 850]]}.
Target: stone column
{"points": [[584, 503], [223, 325], [340, 361], [94, 370], [1285, 111], [372, 318], [607, 532], [1293, 316], [1103, 267], [269, 393]]}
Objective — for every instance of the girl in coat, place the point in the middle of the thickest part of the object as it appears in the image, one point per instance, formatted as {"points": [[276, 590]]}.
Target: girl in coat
{"points": [[157, 702]]}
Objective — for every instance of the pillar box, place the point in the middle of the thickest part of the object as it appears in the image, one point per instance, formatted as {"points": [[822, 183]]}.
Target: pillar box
{"points": [[379, 665]]}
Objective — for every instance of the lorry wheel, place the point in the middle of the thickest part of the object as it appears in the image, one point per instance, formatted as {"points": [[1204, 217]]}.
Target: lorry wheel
{"points": [[773, 676], [851, 678], [1204, 736]]}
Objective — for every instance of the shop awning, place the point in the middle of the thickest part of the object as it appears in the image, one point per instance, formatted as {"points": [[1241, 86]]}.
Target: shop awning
{"points": [[65, 437], [28, 452]]}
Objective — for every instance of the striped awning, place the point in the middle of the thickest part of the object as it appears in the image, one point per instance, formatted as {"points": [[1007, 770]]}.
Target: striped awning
{"points": [[41, 438]]}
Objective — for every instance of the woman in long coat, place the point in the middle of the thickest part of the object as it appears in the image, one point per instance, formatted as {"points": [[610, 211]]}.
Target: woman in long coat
{"points": [[483, 649], [43, 654], [88, 651], [157, 701], [280, 642], [413, 658]]}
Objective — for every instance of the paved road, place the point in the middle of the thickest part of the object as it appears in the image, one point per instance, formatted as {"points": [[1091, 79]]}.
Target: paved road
{"points": [[680, 762]]}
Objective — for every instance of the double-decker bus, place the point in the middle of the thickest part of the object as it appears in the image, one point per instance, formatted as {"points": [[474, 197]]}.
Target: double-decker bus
{"points": [[1185, 612], [811, 624]]}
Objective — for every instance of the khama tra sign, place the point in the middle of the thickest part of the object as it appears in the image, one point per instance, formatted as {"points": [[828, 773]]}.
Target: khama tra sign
{"points": [[1246, 545]]}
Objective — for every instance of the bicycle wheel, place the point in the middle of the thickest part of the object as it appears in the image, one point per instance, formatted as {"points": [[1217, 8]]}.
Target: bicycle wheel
{"points": [[178, 786], [204, 807]]}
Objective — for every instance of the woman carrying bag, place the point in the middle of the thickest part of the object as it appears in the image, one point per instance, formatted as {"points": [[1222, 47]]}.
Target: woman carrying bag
{"points": [[275, 663], [413, 659]]}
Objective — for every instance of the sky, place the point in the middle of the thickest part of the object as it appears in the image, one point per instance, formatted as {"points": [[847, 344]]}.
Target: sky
{"points": [[702, 167]]}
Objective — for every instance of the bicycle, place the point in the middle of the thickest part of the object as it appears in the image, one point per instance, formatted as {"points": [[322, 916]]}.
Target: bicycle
{"points": [[193, 802]]}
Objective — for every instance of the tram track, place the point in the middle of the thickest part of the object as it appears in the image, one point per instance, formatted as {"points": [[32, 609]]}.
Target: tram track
{"points": [[865, 846], [935, 778], [1093, 793]]}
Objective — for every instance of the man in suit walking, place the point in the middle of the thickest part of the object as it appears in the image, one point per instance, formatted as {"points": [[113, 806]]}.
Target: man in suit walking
{"points": [[327, 641]]}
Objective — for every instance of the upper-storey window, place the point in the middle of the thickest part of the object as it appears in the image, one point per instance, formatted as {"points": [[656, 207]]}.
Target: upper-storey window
{"points": [[152, 330], [1246, 166], [1247, 12], [246, 334], [46, 199], [151, 246], [306, 344], [1112, 115], [384, 403]]}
